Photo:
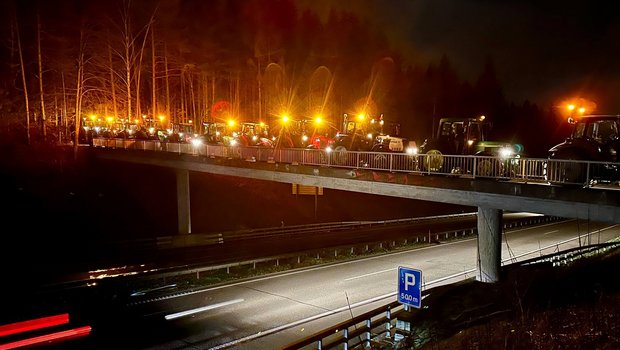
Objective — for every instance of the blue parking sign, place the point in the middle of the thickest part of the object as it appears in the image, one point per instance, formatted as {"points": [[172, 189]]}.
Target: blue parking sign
{"points": [[409, 286]]}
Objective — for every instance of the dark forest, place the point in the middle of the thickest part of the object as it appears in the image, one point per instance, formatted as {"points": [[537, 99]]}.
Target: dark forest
{"points": [[252, 59]]}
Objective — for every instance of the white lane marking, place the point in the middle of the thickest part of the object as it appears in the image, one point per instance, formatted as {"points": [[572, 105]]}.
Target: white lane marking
{"points": [[201, 309], [546, 233], [368, 274], [538, 226]]}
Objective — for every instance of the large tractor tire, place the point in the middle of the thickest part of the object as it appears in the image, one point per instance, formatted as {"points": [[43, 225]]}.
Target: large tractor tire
{"points": [[433, 161], [563, 170], [340, 155], [380, 161], [489, 168]]}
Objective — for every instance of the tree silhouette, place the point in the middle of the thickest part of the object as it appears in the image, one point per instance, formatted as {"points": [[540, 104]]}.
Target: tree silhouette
{"points": [[261, 56]]}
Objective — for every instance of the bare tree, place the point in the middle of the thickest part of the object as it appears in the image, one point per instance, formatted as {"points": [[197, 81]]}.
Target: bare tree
{"points": [[112, 79], [138, 70], [65, 115], [79, 90], [153, 73], [167, 75], [43, 116], [23, 69], [128, 44]]}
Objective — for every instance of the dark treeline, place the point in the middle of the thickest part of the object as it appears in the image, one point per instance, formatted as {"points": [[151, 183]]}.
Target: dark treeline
{"points": [[250, 59]]}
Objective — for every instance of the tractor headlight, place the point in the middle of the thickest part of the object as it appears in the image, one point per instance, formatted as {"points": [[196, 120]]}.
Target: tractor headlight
{"points": [[506, 152], [412, 150]]}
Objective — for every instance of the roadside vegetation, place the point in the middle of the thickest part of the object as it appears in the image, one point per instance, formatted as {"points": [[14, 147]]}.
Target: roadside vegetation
{"points": [[538, 306]]}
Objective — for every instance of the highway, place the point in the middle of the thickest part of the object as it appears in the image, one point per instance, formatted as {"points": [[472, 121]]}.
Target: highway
{"points": [[271, 311]]}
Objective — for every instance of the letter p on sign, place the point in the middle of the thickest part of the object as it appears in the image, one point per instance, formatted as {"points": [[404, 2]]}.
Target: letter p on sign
{"points": [[409, 280]]}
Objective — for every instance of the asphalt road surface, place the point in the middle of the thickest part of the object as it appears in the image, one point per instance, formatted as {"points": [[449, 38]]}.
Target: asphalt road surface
{"points": [[272, 311]]}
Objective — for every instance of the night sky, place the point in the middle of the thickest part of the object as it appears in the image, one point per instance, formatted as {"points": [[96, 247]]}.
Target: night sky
{"points": [[543, 51]]}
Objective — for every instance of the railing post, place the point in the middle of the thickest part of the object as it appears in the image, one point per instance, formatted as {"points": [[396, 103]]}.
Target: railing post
{"points": [[588, 174], [368, 332], [391, 160], [475, 166], [346, 339], [388, 324]]}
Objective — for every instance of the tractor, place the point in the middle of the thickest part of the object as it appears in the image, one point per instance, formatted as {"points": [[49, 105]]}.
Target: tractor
{"points": [[463, 137]]}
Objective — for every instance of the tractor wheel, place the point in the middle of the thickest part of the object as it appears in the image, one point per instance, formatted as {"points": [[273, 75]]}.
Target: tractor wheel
{"points": [[565, 170], [380, 161], [323, 157], [433, 160], [340, 155], [489, 168]]}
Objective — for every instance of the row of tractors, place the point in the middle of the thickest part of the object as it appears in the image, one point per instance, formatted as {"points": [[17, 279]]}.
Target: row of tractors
{"points": [[454, 136], [594, 138]]}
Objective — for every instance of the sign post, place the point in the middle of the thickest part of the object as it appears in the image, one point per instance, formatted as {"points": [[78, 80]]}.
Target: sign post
{"points": [[409, 286]]}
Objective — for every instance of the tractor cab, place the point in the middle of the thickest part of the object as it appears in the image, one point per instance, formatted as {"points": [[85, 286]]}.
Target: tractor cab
{"points": [[255, 134], [460, 135], [358, 133], [594, 138], [214, 132], [182, 132]]}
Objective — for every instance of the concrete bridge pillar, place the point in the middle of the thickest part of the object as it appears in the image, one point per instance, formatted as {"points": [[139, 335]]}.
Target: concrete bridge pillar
{"points": [[489, 244], [183, 204]]}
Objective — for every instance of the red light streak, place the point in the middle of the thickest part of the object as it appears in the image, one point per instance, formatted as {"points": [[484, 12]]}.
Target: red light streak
{"points": [[48, 338], [37, 323]]}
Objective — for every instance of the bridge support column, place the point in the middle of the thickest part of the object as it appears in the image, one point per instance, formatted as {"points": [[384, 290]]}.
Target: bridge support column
{"points": [[489, 244], [183, 204]]}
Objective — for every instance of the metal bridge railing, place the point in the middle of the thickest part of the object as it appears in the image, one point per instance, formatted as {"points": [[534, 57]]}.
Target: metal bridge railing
{"points": [[577, 172]]}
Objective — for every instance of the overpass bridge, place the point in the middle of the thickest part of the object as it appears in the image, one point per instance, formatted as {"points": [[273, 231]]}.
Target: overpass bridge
{"points": [[491, 184]]}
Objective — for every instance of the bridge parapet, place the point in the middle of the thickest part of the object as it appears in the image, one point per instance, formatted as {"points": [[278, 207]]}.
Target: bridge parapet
{"points": [[526, 170]]}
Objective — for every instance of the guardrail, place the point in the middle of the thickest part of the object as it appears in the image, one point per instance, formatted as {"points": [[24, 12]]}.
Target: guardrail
{"points": [[164, 242], [538, 170], [382, 323], [197, 270]]}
